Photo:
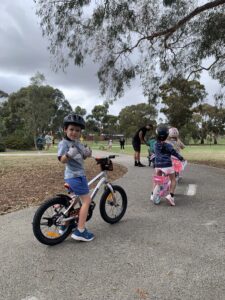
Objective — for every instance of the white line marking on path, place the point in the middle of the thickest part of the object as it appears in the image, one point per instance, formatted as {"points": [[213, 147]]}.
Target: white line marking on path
{"points": [[191, 190]]}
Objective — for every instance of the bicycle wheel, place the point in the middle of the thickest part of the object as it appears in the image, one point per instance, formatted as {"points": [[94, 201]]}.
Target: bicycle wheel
{"points": [[46, 221], [156, 196], [110, 210]]}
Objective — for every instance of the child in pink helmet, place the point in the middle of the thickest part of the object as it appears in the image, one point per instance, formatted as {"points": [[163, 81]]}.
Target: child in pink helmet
{"points": [[174, 140]]}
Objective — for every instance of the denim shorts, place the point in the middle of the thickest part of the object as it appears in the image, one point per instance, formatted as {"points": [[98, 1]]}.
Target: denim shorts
{"points": [[78, 185]]}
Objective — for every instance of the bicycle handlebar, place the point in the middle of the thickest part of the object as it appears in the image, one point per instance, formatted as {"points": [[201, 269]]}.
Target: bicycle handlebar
{"points": [[110, 157]]}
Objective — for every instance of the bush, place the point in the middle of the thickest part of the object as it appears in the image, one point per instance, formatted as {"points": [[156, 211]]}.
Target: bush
{"points": [[2, 147], [19, 142], [101, 147]]}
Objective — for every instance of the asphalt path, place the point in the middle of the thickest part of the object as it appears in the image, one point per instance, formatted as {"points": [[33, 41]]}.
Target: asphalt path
{"points": [[154, 252]]}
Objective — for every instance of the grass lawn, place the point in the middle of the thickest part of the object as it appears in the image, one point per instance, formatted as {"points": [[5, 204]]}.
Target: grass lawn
{"points": [[213, 155], [206, 154]]}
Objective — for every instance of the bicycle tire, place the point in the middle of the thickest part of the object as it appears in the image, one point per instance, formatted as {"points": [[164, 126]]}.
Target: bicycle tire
{"points": [[156, 196], [104, 202], [60, 200]]}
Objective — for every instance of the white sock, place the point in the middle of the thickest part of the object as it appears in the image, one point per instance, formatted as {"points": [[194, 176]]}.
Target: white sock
{"points": [[81, 230]]}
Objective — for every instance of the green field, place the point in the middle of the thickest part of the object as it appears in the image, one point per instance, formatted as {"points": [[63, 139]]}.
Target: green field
{"points": [[190, 152], [195, 153], [211, 155]]}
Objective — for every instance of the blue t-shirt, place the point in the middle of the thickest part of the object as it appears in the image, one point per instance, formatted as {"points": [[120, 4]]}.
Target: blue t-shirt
{"points": [[163, 153], [74, 167]]}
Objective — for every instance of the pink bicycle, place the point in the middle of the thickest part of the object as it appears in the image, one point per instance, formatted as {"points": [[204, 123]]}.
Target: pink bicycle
{"points": [[162, 183]]}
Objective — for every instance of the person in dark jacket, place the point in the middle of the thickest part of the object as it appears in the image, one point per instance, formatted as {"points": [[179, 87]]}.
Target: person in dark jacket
{"points": [[138, 139], [163, 161]]}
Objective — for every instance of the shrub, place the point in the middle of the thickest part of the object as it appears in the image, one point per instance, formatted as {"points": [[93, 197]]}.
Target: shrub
{"points": [[101, 147], [2, 147], [19, 142]]}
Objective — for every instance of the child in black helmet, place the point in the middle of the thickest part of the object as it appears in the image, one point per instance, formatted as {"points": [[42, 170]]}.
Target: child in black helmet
{"points": [[72, 153], [163, 162]]}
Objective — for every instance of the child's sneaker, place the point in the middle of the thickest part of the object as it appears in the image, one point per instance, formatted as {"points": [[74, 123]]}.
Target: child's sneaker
{"points": [[170, 199], [85, 236], [151, 197], [63, 228]]}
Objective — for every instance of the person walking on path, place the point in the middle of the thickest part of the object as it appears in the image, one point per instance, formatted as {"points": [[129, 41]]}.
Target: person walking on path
{"points": [[122, 142], [138, 139], [110, 142]]}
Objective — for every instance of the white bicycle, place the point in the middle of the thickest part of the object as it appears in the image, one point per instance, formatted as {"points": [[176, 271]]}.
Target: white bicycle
{"points": [[63, 210]]}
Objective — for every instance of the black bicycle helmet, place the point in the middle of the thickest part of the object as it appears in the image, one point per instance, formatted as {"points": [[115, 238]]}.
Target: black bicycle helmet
{"points": [[74, 119], [162, 133]]}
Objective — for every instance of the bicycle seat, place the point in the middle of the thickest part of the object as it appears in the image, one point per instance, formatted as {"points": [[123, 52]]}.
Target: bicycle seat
{"points": [[67, 186]]}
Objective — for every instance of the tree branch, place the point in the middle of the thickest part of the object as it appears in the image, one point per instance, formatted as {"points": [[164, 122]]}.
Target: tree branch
{"points": [[205, 68], [168, 32]]}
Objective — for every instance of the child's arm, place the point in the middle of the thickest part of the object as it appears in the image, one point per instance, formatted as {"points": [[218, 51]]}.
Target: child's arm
{"points": [[181, 145], [174, 152], [87, 152], [65, 153], [143, 141]]}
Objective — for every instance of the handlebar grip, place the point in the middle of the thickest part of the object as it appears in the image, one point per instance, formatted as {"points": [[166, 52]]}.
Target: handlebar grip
{"points": [[112, 156]]}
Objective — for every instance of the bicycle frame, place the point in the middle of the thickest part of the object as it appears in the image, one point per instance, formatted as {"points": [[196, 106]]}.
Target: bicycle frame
{"points": [[163, 182], [103, 179]]}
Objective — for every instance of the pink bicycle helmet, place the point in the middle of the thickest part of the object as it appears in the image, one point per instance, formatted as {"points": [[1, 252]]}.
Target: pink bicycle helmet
{"points": [[173, 132]]}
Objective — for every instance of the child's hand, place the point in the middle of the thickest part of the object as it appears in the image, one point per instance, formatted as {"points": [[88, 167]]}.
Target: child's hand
{"points": [[72, 152], [87, 152]]}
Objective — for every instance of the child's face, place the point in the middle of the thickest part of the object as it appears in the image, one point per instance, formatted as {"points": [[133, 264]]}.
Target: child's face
{"points": [[73, 132]]}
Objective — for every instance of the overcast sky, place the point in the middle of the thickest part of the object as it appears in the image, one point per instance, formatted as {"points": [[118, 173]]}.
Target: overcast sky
{"points": [[23, 52]]}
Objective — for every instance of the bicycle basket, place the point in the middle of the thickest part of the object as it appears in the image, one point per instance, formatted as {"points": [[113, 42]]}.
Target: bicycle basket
{"points": [[177, 165], [105, 163], [108, 166]]}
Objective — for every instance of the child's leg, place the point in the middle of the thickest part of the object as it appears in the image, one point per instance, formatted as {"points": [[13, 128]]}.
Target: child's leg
{"points": [[86, 200], [158, 172], [81, 233], [173, 183]]}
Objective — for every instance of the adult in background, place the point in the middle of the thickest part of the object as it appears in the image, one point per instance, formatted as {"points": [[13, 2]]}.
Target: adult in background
{"points": [[122, 142], [48, 140], [138, 139]]}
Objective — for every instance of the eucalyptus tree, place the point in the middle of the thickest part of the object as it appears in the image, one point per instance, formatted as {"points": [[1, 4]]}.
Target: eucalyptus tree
{"points": [[149, 39], [98, 115], [80, 111], [3, 94], [134, 116], [34, 109], [178, 98], [211, 121]]}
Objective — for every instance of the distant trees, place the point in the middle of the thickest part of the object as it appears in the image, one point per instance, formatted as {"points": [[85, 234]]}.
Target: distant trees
{"points": [[38, 108], [210, 120], [183, 103], [3, 94], [178, 97], [134, 116], [80, 111], [32, 111]]}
